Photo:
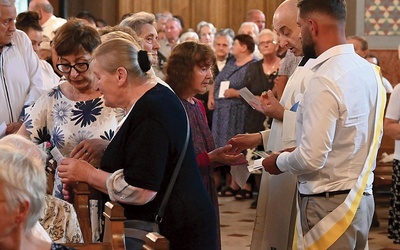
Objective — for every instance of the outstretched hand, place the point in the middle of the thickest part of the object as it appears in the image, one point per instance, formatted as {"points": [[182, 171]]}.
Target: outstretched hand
{"points": [[225, 156], [242, 142]]}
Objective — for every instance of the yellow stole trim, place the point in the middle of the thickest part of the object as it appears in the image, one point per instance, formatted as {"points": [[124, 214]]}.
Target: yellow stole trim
{"points": [[331, 227]]}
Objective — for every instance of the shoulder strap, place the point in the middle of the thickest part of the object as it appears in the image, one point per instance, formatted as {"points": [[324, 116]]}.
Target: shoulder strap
{"points": [[160, 214]]}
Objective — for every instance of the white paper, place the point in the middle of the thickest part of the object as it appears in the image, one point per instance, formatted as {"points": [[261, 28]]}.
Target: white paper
{"points": [[251, 99], [3, 128], [257, 165], [240, 174], [56, 155], [224, 86]]}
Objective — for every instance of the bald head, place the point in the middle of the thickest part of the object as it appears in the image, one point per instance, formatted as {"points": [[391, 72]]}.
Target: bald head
{"points": [[284, 23], [43, 8], [43, 5]]}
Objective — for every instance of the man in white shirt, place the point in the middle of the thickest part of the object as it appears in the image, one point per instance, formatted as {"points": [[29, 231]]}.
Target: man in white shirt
{"points": [[338, 133], [20, 76], [274, 223], [49, 23]]}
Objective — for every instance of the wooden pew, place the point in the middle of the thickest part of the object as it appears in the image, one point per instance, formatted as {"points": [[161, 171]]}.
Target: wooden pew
{"points": [[114, 236], [81, 204], [155, 241]]}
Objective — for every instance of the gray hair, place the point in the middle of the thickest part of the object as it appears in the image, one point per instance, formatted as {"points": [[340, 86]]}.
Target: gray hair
{"points": [[119, 52], [268, 32], [228, 33], [189, 34], [256, 30], [176, 20], [204, 23], [23, 176], [137, 20]]}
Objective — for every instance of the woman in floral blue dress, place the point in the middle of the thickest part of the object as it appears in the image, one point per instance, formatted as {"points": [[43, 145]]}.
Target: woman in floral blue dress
{"points": [[230, 110], [72, 115]]}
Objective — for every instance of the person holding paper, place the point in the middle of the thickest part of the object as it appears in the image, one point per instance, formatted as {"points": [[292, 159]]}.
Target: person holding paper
{"points": [[259, 78], [339, 133], [230, 111], [139, 162], [189, 72], [277, 193], [72, 115]]}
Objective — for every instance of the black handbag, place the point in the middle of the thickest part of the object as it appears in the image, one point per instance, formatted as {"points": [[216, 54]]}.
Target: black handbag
{"points": [[137, 230]]}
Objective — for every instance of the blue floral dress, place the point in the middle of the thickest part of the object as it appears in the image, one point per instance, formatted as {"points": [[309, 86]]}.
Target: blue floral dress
{"points": [[65, 123], [229, 113]]}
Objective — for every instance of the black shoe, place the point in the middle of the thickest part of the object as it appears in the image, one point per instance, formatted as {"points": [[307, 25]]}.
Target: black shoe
{"points": [[254, 204]]}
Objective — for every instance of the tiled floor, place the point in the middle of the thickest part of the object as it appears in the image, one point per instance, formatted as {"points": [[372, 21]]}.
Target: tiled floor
{"points": [[237, 221]]}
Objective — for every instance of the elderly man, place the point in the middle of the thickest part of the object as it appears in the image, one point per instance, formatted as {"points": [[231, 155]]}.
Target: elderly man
{"points": [[21, 81], [276, 197], [49, 23], [339, 132], [257, 17], [173, 29], [143, 23]]}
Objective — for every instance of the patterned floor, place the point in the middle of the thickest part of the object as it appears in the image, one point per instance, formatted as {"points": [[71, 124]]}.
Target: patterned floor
{"points": [[237, 221]]}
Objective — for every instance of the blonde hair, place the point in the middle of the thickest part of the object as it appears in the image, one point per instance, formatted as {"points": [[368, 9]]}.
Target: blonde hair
{"points": [[119, 52]]}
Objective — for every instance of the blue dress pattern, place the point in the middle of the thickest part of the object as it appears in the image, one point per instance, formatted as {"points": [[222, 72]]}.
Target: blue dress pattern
{"points": [[65, 123], [229, 113]]}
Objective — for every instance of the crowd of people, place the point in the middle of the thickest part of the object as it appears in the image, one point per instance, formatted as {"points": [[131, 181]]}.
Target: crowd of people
{"points": [[127, 105]]}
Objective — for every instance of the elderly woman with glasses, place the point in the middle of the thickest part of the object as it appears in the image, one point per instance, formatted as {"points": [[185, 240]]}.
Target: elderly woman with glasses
{"points": [[72, 115]]}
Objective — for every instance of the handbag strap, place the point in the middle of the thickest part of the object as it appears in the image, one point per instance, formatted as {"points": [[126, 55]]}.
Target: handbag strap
{"points": [[160, 214]]}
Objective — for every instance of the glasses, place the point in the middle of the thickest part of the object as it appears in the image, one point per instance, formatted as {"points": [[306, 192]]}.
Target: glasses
{"points": [[79, 67], [266, 43]]}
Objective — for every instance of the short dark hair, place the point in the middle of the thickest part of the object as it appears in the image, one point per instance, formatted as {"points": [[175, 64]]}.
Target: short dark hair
{"points": [[184, 57], [28, 20], [74, 37], [247, 40], [333, 8]]}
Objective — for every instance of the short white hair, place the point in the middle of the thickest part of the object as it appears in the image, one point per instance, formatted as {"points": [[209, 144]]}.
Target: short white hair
{"points": [[189, 34], [255, 27], [204, 23], [22, 173], [268, 32]]}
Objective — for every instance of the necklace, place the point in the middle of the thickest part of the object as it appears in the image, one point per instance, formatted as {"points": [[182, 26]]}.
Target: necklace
{"points": [[268, 69]]}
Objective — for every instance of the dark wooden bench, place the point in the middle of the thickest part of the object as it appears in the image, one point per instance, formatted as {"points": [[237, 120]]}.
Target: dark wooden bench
{"points": [[114, 236]]}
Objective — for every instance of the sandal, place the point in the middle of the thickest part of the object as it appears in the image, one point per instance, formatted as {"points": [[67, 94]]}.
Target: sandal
{"points": [[244, 194], [227, 191]]}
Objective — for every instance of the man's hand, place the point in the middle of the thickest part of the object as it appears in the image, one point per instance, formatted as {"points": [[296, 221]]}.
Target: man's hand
{"points": [[241, 142], [271, 106], [269, 164]]}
